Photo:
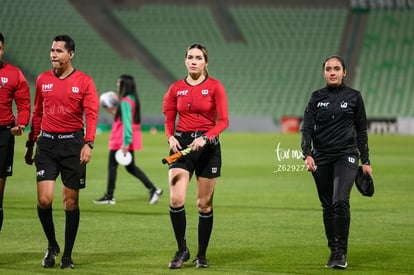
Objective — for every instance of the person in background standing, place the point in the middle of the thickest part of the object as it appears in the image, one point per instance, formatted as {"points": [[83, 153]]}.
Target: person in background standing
{"points": [[13, 86], [334, 138], [63, 97], [201, 105], [126, 135]]}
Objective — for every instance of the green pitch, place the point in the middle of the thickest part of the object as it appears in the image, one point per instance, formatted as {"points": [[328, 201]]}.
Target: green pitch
{"points": [[267, 214]]}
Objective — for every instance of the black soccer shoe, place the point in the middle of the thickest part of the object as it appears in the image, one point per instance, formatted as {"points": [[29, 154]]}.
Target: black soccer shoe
{"points": [[201, 262], [66, 263], [106, 199], [339, 261], [180, 257], [330, 261], [154, 196], [50, 257]]}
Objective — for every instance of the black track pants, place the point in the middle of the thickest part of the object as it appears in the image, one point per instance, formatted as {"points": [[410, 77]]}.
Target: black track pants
{"points": [[334, 178]]}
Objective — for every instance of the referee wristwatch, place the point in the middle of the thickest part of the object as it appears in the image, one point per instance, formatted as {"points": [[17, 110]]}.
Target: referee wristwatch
{"points": [[90, 144]]}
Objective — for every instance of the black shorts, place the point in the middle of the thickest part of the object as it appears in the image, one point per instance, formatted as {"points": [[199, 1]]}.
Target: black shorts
{"points": [[60, 153], [206, 162], [6, 151]]}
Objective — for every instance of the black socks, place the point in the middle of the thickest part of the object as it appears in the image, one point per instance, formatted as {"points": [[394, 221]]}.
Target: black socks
{"points": [[205, 226], [46, 219], [71, 229], [179, 223]]}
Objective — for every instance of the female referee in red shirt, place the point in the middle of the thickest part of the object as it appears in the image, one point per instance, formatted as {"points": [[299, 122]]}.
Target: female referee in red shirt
{"points": [[198, 100]]}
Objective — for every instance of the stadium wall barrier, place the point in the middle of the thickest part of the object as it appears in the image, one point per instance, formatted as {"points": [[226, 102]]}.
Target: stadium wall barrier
{"points": [[405, 125], [289, 124], [399, 126], [254, 124]]}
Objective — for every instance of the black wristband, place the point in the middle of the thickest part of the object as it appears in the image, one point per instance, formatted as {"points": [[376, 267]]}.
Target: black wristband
{"points": [[90, 144], [29, 144]]}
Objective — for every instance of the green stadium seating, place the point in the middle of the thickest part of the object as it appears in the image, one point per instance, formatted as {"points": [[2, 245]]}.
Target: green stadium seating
{"points": [[271, 73], [386, 64], [31, 26]]}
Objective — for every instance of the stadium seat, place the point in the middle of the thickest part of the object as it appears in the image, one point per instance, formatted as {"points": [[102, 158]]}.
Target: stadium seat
{"points": [[271, 73]]}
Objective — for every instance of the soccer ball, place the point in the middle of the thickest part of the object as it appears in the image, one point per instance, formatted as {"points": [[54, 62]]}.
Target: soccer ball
{"points": [[108, 99]]}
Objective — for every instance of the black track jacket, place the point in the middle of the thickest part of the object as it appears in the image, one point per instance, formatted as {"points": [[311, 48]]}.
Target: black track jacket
{"points": [[335, 123]]}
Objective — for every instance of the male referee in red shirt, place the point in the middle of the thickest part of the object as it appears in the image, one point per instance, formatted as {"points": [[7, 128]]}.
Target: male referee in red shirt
{"points": [[63, 96], [13, 85]]}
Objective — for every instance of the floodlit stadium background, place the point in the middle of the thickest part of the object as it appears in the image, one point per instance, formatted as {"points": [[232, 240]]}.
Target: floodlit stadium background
{"points": [[267, 54]]}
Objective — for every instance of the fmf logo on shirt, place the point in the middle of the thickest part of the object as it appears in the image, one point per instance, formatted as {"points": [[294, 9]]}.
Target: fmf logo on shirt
{"points": [[40, 173], [47, 88], [182, 93], [323, 105], [75, 90]]}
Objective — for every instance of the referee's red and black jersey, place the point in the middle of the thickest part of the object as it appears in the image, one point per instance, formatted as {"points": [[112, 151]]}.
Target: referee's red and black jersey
{"points": [[202, 107], [13, 86], [60, 105]]}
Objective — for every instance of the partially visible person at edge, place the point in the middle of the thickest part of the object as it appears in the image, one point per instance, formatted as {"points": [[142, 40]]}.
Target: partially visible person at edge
{"points": [[13, 86], [63, 96], [334, 138], [197, 100], [126, 135]]}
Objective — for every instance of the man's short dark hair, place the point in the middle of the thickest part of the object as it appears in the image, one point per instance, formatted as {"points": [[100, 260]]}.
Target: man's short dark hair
{"points": [[69, 43], [1, 38]]}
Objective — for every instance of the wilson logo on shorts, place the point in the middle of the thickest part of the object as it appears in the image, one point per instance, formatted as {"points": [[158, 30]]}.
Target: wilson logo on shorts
{"points": [[351, 159], [214, 170]]}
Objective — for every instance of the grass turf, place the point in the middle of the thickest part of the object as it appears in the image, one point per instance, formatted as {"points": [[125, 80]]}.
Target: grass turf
{"points": [[267, 214]]}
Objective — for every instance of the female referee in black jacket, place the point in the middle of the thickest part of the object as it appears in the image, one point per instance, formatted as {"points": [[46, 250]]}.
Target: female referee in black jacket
{"points": [[334, 138]]}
